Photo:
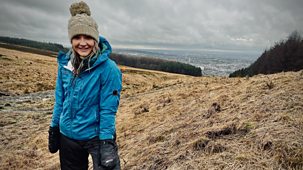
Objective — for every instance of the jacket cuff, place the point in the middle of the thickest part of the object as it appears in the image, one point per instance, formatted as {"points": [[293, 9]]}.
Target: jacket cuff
{"points": [[54, 124], [104, 136]]}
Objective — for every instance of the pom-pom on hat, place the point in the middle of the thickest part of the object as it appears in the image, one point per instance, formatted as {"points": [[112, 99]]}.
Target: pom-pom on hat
{"points": [[81, 22]]}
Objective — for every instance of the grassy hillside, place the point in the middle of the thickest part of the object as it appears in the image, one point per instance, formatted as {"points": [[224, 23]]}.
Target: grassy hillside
{"points": [[165, 121]]}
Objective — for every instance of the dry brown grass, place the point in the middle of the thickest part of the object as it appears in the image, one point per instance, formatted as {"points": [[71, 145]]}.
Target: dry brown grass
{"points": [[166, 121], [22, 72]]}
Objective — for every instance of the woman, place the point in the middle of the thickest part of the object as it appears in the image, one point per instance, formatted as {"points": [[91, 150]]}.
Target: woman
{"points": [[87, 96]]}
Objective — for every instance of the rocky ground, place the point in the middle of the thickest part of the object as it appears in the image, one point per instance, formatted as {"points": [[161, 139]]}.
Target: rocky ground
{"points": [[165, 121]]}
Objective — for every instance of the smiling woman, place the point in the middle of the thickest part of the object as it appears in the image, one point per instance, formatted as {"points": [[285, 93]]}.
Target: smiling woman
{"points": [[87, 98]]}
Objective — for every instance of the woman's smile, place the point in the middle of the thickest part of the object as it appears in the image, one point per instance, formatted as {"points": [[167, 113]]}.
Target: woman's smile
{"points": [[83, 49]]}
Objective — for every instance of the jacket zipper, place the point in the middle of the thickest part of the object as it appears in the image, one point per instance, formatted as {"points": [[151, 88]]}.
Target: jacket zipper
{"points": [[73, 88]]}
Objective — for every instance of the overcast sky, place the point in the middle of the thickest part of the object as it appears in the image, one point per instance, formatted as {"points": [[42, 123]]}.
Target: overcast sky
{"points": [[191, 24]]}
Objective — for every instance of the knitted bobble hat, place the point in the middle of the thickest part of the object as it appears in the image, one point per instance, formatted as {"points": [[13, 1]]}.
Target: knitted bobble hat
{"points": [[81, 22]]}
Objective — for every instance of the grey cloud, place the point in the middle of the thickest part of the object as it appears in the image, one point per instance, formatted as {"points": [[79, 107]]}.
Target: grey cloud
{"points": [[221, 24]]}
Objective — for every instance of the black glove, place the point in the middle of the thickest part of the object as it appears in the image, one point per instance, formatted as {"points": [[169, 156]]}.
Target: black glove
{"points": [[109, 155], [53, 139]]}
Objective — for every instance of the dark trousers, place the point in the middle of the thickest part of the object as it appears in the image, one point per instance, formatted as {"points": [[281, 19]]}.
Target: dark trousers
{"points": [[74, 154]]}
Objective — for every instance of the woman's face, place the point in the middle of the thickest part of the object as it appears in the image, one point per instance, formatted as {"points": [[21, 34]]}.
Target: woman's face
{"points": [[83, 44]]}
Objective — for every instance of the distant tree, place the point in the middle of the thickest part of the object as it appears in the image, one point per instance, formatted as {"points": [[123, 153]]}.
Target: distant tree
{"points": [[295, 36]]}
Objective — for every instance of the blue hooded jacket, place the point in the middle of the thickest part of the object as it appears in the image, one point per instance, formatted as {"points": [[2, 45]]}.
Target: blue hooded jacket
{"points": [[86, 105]]}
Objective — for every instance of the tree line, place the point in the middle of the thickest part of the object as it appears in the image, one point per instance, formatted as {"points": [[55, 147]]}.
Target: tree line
{"points": [[54, 47], [156, 64]]}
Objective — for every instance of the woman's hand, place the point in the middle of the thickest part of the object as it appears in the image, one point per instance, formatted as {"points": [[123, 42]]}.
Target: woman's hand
{"points": [[53, 139], [109, 155]]}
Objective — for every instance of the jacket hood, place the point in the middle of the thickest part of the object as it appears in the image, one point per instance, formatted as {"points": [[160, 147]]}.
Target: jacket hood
{"points": [[63, 57]]}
